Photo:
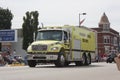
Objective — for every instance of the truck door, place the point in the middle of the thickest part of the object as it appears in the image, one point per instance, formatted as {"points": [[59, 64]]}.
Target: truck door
{"points": [[66, 40], [68, 46]]}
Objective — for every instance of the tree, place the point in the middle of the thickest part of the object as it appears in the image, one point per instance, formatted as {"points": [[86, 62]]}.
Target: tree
{"points": [[35, 22], [29, 27], [5, 18]]}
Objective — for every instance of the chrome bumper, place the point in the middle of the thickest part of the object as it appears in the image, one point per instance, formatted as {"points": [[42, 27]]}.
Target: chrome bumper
{"points": [[41, 57]]}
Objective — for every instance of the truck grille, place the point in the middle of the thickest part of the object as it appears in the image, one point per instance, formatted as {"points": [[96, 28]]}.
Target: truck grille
{"points": [[39, 47], [39, 57]]}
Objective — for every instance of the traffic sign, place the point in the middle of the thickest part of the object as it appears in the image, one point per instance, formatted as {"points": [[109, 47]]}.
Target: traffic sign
{"points": [[8, 35]]}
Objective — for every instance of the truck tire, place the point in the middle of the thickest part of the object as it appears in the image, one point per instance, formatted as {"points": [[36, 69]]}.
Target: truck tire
{"points": [[60, 60], [84, 59], [89, 58], [31, 63]]}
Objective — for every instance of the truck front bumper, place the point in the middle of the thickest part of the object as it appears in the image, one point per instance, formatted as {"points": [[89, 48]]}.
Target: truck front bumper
{"points": [[42, 57]]}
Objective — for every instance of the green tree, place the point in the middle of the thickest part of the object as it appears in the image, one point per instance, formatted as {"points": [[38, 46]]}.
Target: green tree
{"points": [[5, 18], [30, 26], [35, 22]]}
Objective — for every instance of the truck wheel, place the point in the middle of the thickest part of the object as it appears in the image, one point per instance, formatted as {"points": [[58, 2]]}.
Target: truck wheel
{"points": [[84, 59], [31, 63], [61, 60], [89, 59]]}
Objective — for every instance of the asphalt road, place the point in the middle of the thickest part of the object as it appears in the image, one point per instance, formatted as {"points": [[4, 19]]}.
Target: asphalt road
{"points": [[96, 71]]}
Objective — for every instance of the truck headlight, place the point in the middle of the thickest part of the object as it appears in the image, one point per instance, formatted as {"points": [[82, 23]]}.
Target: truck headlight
{"points": [[54, 48]]}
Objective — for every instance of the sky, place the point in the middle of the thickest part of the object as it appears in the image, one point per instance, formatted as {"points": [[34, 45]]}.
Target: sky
{"points": [[65, 12]]}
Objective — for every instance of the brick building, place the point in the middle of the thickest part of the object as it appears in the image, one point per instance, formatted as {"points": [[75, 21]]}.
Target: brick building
{"points": [[107, 38]]}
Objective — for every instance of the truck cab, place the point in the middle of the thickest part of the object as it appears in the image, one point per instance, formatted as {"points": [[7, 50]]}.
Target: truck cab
{"points": [[47, 46]]}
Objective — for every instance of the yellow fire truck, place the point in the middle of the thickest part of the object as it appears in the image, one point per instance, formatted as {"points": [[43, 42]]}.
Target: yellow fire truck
{"points": [[62, 45]]}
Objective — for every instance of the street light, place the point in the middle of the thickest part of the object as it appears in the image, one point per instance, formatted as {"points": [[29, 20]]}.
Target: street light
{"points": [[79, 17]]}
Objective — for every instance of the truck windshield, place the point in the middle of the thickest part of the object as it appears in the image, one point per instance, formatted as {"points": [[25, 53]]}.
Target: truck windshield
{"points": [[49, 35]]}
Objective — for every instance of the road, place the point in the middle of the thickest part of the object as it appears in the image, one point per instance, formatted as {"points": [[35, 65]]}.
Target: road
{"points": [[96, 71]]}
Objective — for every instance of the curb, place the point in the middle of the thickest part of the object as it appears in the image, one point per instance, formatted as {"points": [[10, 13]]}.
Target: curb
{"points": [[17, 64]]}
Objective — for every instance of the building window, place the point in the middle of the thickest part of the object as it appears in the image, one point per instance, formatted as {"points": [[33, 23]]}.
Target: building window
{"points": [[115, 41], [107, 39], [111, 40], [105, 27], [107, 49]]}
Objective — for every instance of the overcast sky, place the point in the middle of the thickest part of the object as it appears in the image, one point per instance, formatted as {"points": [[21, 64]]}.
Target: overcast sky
{"points": [[62, 12]]}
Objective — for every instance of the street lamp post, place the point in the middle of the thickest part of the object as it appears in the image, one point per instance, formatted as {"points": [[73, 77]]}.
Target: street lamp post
{"points": [[79, 17]]}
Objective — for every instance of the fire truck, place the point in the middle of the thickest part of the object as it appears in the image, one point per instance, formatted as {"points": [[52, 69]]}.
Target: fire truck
{"points": [[62, 45]]}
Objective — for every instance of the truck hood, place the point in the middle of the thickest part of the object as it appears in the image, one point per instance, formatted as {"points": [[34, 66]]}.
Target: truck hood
{"points": [[45, 42]]}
